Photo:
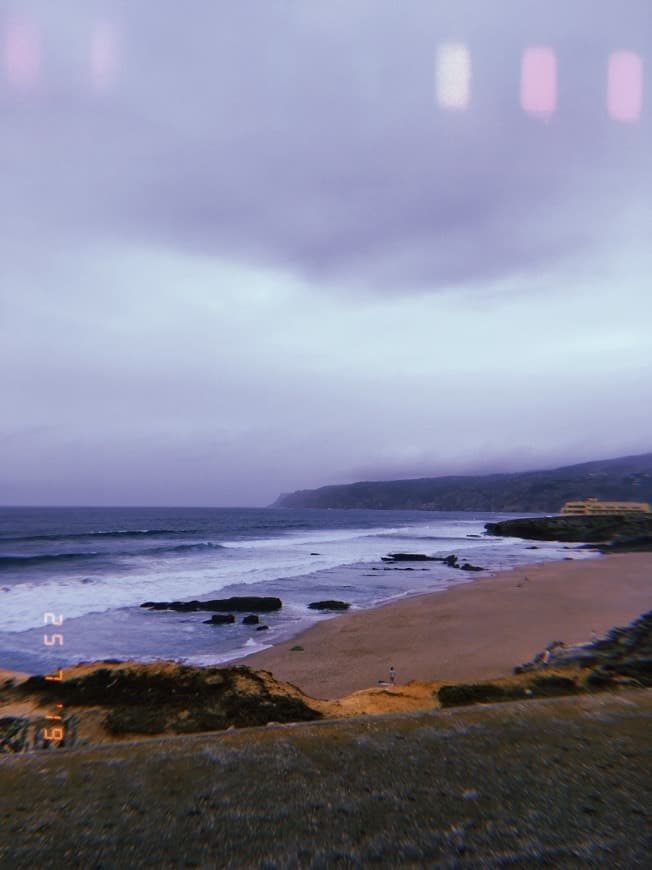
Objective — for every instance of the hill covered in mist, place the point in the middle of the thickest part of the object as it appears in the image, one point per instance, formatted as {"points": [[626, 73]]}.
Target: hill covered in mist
{"points": [[627, 478]]}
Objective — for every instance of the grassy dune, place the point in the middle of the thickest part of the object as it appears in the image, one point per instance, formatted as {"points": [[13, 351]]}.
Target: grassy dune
{"points": [[551, 783]]}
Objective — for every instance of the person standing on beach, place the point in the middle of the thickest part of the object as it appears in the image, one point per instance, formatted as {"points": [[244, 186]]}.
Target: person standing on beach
{"points": [[392, 675]]}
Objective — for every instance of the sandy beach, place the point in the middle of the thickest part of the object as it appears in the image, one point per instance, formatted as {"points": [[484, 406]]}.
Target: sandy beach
{"points": [[472, 632]]}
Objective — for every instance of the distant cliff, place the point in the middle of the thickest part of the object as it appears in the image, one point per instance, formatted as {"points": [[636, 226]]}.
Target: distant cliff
{"points": [[623, 479]]}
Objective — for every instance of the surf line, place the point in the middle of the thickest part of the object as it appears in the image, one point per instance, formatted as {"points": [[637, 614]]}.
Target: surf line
{"points": [[54, 733]]}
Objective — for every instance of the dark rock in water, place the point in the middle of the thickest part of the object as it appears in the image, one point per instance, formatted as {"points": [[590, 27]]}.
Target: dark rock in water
{"points": [[251, 620], [220, 619], [329, 605], [235, 604], [315, 554], [450, 561], [263, 628], [533, 547], [408, 557]]}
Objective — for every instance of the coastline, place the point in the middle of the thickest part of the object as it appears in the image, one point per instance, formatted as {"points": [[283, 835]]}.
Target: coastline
{"points": [[473, 631]]}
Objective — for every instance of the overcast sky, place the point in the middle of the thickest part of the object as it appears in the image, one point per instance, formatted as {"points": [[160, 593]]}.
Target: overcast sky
{"points": [[244, 249]]}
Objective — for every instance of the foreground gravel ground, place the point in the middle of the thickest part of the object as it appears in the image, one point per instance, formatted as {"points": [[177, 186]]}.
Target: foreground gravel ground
{"points": [[553, 783]]}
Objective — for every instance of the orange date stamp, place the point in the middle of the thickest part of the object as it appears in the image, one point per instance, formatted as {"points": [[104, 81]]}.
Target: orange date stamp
{"points": [[54, 732]]}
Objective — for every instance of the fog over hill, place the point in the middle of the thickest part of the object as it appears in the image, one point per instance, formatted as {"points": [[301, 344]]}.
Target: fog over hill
{"points": [[624, 478]]}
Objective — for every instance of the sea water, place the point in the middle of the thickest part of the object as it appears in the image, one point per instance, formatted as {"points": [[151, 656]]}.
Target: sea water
{"points": [[92, 568]]}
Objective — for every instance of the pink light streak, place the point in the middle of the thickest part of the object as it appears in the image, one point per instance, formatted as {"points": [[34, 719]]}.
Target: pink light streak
{"points": [[103, 57], [539, 82], [625, 86], [22, 54]]}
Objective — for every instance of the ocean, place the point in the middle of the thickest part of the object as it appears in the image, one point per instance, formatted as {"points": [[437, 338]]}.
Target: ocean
{"points": [[92, 568]]}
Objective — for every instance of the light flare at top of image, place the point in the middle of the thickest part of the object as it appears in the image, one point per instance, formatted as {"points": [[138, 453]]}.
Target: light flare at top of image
{"points": [[539, 82], [22, 54], [103, 56], [625, 86]]}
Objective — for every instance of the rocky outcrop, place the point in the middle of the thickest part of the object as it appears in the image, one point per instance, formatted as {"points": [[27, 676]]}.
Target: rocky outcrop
{"points": [[409, 557], [624, 653], [238, 604], [220, 619], [252, 619], [587, 529], [622, 659], [329, 605]]}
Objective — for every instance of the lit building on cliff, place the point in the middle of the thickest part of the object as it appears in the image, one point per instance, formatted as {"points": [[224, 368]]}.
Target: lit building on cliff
{"points": [[593, 506]]}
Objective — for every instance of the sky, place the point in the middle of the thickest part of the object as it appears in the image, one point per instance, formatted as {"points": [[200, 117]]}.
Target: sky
{"points": [[254, 247]]}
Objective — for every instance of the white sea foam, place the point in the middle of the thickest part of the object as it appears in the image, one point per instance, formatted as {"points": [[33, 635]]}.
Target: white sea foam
{"points": [[250, 647], [201, 573], [289, 561]]}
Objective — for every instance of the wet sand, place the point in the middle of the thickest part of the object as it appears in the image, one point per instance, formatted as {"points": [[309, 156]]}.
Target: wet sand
{"points": [[476, 631]]}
